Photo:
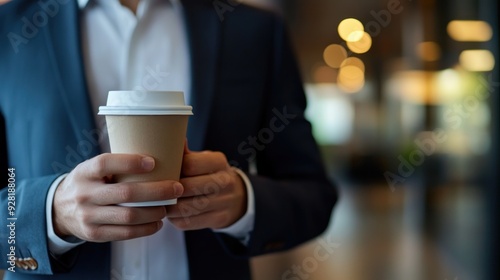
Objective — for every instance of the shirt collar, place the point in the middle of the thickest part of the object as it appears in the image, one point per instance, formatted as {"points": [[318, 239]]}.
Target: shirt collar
{"points": [[82, 3]]}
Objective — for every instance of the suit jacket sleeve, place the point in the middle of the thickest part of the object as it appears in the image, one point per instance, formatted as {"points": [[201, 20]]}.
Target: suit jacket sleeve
{"points": [[293, 197], [21, 82], [27, 231], [26, 234], [23, 235]]}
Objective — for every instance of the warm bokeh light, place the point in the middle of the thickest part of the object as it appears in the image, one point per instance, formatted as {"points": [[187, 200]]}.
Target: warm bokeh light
{"points": [[353, 61], [429, 51], [362, 45], [334, 55], [448, 85], [351, 30], [413, 86], [324, 74], [470, 30], [428, 87], [351, 78], [477, 60]]}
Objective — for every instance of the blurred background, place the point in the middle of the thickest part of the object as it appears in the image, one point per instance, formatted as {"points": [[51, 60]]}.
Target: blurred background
{"points": [[403, 99]]}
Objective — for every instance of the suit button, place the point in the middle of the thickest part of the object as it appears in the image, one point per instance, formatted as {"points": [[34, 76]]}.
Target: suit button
{"points": [[27, 263]]}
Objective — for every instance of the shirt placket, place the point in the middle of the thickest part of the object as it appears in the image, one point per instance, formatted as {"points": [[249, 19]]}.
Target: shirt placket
{"points": [[126, 22]]}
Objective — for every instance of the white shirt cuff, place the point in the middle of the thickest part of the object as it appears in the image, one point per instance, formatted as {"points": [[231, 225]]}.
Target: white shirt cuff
{"points": [[57, 245], [242, 228]]}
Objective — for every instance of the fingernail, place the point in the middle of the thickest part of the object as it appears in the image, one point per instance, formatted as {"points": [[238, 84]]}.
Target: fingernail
{"points": [[148, 163], [178, 189]]}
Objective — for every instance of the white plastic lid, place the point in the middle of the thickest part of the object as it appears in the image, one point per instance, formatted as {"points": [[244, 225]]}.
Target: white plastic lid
{"points": [[145, 103]]}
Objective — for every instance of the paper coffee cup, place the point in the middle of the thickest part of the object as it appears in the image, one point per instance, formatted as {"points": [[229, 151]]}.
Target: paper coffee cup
{"points": [[152, 123]]}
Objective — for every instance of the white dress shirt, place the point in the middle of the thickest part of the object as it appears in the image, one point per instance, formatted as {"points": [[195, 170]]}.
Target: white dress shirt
{"points": [[146, 51]]}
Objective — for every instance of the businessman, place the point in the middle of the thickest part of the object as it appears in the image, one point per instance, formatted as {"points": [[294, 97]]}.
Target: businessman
{"points": [[252, 179]]}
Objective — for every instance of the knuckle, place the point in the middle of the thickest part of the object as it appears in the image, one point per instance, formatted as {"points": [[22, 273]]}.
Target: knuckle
{"points": [[91, 233], [132, 163], [129, 215], [230, 183], [157, 213], [128, 233], [226, 179], [83, 166], [84, 217], [81, 198], [124, 191], [222, 181], [99, 163], [163, 191], [212, 189]]}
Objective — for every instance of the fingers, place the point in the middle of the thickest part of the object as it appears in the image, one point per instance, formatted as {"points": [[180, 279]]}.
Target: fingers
{"points": [[119, 215], [214, 200], [214, 220], [198, 213], [105, 233], [199, 163], [206, 184], [85, 205], [137, 192], [193, 206], [111, 164]]}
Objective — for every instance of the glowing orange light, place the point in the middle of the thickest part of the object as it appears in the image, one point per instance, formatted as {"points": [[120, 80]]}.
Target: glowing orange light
{"points": [[351, 29], [477, 60], [334, 55], [351, 78], [470, 30], [354, 61], [429, 51], [362, 45]]}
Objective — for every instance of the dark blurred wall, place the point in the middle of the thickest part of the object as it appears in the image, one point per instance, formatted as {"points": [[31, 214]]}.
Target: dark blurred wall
{"points": [[490, 10]]}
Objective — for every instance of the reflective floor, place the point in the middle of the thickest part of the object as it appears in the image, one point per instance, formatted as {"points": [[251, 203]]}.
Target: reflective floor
{"points": [[374, 235]]}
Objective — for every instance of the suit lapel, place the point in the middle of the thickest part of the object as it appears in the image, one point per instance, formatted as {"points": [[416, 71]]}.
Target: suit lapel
{"points": [[203, 30], [62, 36]]}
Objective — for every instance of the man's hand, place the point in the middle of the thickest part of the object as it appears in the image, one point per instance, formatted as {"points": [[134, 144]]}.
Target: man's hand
{"points": [[214, 194], [85, 203]]}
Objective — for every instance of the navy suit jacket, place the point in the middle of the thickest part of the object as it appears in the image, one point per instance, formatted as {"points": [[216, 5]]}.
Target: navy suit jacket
{"points": [[248, 103]]}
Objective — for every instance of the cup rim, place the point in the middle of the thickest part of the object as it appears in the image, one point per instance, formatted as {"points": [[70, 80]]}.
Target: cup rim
{"points": [[145, 110]]}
